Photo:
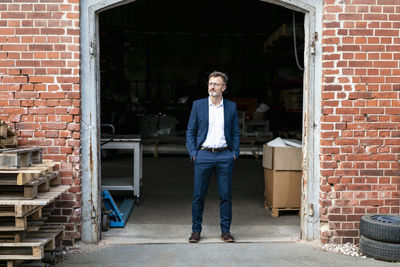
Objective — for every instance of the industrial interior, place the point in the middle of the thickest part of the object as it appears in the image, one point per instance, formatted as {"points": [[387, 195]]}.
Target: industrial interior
{"points": [[155, 57]]}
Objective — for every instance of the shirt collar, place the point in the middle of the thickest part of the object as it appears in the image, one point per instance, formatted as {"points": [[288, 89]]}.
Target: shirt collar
{"points": [[220, 104]]}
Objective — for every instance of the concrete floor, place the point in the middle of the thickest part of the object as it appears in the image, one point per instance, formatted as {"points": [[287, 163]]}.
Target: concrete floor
{"points": [[219, 255], [164, 214]]}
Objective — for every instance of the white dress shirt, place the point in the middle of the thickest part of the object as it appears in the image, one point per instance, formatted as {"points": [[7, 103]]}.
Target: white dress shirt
{"points": [[215, 135]]}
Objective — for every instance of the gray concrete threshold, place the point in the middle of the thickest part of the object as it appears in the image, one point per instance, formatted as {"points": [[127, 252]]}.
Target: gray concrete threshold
{"points": [[177, 234]]}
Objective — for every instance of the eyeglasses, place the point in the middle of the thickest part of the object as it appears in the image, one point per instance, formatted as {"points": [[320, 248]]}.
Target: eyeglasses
{"points": [[215, 84]]}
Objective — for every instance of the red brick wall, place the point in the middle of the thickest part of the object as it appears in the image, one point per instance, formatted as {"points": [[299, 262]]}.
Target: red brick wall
{"points": [[360, 142], [39, 89]]}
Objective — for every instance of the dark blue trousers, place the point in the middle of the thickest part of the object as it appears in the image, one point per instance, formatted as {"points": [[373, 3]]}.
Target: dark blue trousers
{"points": [[205, 164]]}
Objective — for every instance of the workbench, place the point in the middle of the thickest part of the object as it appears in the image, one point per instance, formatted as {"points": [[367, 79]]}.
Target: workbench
{"points": [[251, 145], [131, 143]]}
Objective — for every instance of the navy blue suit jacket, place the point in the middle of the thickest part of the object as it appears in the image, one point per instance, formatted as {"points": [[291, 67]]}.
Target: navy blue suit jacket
{"points": [[197, 128]]}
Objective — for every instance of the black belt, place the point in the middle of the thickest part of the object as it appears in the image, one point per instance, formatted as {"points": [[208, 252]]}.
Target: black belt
{"points": [[216, 149]]}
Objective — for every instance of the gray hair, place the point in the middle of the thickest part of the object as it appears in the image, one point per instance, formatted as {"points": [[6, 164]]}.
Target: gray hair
{"points": [[219, 74]]}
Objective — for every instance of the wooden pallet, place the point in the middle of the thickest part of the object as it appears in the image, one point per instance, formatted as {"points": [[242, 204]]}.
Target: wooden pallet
{"points": [[22, 250], [10, 141], [30, 263], [26, 182], [11, 236], [18, 177], [27, 191], [15, 224], [3, 130], [32, 189], [48, 235], [54, 174], [275, 211], [51, 162], [17, 211], [54, 178], [19, 208], [33, 245], [17, 236], [53, 233], [44, 170], [34, 223], [24, 207], [8, 137], [14, 158]]}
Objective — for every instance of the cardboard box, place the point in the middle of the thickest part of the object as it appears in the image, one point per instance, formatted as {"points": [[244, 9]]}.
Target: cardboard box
{"points": [[282, 188], [282, 158]]}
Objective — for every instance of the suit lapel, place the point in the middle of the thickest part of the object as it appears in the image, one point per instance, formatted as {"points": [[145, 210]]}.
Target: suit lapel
{"points": [[207, 114], [225, 115]]}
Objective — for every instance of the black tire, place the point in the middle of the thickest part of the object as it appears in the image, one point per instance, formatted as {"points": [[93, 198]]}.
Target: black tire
{"points": [[385, 228], [380, 250]]}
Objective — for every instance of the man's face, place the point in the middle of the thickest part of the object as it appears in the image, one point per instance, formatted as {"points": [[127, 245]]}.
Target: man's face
{"points": [[216, 86]]}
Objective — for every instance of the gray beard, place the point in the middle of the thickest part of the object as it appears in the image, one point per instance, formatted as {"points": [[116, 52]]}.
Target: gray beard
{"points": [[214, 94]]}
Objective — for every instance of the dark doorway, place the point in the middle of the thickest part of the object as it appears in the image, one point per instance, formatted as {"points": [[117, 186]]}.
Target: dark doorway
{"points": [[155, 57]]}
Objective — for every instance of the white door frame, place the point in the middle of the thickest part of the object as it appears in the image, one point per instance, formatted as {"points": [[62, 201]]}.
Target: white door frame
{"points": [[90, 123]]}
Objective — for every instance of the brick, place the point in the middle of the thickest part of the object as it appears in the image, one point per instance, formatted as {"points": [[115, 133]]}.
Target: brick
{"points": [[345, 16], [14, 111], [63, 79], [15, 79], [347, 111], [337, 217], [333, 87], [387, 2], [54, 126], [392, 172], [387, 32], [27, 126], [346, 172], [361, 32], [371, 202], [52, 95], [41, 79], [346, 142], [52, 134], [52, 63], [371, 172], [346, 232], [40, 47], [349, 48], [52, 31], [61, 111]]}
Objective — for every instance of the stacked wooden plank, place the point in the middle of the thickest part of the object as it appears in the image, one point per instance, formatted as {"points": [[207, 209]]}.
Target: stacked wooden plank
{"points": [[27, 184], [8, 137]]}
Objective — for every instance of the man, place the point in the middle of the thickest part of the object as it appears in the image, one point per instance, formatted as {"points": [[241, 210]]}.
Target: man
{"points": [[212, 140]]}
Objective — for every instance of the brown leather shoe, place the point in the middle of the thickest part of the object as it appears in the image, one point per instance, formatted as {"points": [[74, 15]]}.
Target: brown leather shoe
{"points": [[227, 237], [194, 237]]}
